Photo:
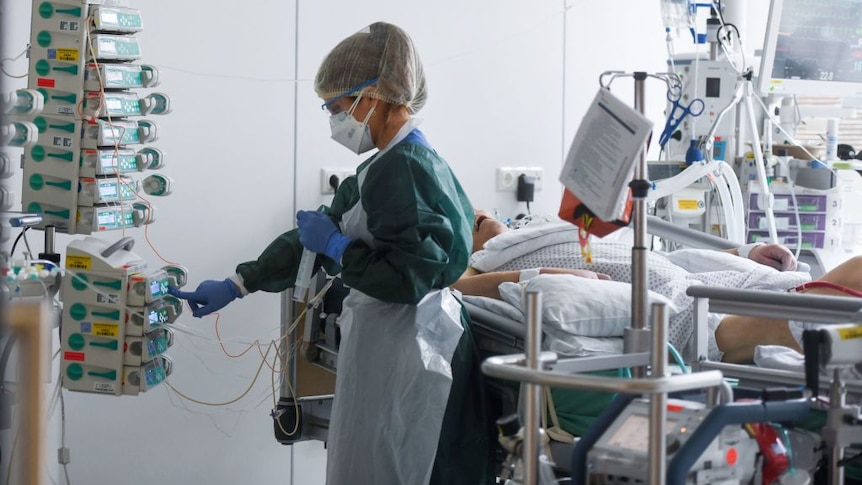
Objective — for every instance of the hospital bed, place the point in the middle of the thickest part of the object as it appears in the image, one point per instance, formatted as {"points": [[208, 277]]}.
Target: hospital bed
{"points": [[842, 348], [499, 330]]}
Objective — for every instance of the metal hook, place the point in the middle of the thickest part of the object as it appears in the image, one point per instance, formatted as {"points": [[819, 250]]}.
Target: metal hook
{"points": [[613, 74], [671, 79]]}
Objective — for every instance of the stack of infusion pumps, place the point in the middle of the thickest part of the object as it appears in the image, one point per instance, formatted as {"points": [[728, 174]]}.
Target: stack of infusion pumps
{"points": [[116, 316], [92, 130]]}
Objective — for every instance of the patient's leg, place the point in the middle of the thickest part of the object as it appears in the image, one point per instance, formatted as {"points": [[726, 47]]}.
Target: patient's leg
{"points": [[738, 335], [848, 273]]}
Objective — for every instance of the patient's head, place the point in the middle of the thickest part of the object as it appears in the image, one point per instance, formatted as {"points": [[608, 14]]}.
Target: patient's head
{"points": [[485, 227]]}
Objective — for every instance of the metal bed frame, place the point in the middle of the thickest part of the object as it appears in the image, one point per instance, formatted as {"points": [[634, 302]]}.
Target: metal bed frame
{"points": [[843, 422], [769, 304]]}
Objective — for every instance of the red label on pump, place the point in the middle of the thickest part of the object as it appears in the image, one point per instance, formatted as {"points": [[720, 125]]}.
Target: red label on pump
{"points": [[45, 83], [76, 356]]}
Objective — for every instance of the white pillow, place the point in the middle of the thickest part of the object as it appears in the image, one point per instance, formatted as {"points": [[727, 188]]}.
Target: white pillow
{"points": [[512, 244], [581, 306]]}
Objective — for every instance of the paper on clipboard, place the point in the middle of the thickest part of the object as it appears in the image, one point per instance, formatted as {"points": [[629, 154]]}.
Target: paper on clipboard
{"points": [[601, 160]]}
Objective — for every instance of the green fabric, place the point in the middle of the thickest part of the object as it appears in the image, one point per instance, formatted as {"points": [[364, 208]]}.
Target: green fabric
{"points": [[577, 408], [419, 216], [421, 221], [465, 454]]}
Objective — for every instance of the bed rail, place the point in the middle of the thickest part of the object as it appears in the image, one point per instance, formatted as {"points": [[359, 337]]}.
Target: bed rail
{"points": [[795, 306]]}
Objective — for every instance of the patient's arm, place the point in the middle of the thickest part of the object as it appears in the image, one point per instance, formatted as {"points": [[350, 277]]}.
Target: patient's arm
{"points": [[487, 284], [773, 255]]}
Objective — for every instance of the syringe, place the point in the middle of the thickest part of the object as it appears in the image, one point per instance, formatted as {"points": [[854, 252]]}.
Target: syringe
{"points": [[303, 275]]}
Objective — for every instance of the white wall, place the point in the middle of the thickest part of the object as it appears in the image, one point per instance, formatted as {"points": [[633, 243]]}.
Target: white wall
{"points": [[509, 81]]}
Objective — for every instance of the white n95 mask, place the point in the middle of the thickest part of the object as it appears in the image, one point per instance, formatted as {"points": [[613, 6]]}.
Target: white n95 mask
{"points": [[351, 133]]}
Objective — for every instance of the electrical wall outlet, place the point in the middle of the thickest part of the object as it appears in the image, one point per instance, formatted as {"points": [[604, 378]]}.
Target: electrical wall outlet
{"points": [[327, 173], [507, 177]]}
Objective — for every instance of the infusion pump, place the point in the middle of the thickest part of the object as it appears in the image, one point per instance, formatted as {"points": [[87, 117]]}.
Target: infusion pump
{"points": [[621, 454]]}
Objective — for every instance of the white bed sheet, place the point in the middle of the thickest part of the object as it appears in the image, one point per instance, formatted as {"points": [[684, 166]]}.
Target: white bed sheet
{"points": [[785, 358]]}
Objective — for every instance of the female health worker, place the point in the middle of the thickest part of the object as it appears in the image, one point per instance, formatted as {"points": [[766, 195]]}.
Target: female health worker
{"points": [[409, 406]]}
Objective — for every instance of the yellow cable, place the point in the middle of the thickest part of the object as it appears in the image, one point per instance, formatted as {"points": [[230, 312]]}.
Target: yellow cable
{"points": [[226, 403]]}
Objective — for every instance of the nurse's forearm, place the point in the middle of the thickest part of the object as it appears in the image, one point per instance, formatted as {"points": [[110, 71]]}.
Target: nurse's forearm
{"points": [[485, 284]]}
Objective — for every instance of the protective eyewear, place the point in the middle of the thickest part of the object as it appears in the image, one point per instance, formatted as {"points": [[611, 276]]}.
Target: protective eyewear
{"points": [[328, 104]]}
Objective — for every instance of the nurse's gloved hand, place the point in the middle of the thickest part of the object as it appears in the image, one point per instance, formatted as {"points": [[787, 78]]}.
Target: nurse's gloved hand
{"points": [[319, 234], [210, 296]]}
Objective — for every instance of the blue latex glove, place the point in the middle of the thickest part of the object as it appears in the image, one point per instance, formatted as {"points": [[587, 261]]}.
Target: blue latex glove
{"points": [[210, 296], [319, 234]]}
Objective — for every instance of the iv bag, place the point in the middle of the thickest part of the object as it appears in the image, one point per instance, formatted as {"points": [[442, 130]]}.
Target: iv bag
{"points": [[676, 15]]}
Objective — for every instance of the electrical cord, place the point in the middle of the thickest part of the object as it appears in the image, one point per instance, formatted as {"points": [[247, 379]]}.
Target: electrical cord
{"points": [[18, 239], [3, 68], [63, 435], [786, 168]]}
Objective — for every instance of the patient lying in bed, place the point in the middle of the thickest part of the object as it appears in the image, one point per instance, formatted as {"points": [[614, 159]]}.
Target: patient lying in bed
{"points": [[550, 250]]}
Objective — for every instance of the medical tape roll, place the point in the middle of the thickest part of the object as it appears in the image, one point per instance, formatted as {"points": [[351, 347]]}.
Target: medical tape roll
{"points": [[845, 345]]}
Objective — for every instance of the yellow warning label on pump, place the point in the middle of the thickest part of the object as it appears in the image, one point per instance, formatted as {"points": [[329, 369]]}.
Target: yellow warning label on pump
{"points": [[79, 262], [68, 55], [687, 204], [849, 332], [106, 330]]}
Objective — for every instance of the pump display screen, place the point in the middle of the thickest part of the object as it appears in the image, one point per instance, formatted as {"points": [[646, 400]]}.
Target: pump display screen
{"points": [[158, 288], [158, 316]]}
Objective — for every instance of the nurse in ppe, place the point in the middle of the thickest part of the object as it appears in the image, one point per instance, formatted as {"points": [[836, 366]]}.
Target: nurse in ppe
{"points": [[409, 405]]}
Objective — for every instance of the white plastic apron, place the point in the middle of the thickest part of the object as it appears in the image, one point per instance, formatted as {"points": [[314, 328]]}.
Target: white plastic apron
{"points": [[394, 376]]}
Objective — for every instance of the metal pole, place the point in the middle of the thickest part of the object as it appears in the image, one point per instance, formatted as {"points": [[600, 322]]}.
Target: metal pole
{"points": [[658, 402], [759, 163], [49, 239], [287, 384], [532, 391], [635, 340], [837, 400], [639, 290], [288, 342]]}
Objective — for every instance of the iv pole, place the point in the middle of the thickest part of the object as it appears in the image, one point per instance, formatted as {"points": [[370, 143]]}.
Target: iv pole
{"points": [[744, 94], [638, 337]]}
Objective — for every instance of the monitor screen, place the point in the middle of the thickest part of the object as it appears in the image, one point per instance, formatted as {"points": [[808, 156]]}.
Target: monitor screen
{"points": [[813, 48]]}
